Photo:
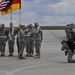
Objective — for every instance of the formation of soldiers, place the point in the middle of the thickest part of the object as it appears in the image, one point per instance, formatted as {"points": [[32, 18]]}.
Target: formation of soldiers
{"points": [[29, 38], [68, 45]]}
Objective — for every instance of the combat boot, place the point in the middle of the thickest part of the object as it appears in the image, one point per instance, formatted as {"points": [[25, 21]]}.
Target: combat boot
{"points": [[27, 55], [37, 56], [2, 54], [11, 54], [31, 55], [20, 56]]}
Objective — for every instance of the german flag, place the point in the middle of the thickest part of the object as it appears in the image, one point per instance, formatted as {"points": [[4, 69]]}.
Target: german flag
{"points": [[13, 5]]}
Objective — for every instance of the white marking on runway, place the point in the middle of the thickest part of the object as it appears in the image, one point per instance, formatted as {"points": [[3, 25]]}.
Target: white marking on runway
{"points": [[12, 72], [29, 67]]}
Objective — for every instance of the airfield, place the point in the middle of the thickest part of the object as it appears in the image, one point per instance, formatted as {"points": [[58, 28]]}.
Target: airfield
{"points": [[52, 62]]}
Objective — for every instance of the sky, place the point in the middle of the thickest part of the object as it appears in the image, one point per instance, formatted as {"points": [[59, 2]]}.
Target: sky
{"points": [[45, 12]]}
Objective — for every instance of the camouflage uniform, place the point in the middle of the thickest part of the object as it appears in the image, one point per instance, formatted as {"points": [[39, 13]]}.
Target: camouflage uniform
{"points": [[69, 47], [22, 42], [11, 32], [3, 39], [30, 45], [38, 39]]}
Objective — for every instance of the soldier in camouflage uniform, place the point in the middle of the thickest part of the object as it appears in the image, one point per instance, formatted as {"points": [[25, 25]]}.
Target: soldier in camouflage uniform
{"points": [[31, 40], [22, 42], [69, 47], [27, 45], [3, 39], [68, 31], [11, 32], [38, 39], [17, 38]]}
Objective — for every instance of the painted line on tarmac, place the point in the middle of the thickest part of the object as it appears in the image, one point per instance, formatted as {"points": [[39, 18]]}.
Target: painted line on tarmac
{"points": [[29, 67]]}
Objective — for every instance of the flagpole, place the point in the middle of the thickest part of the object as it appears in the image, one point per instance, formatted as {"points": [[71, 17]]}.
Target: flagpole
{"points": [[10, 14], [11, 17], [20, 16], [20, 13]]}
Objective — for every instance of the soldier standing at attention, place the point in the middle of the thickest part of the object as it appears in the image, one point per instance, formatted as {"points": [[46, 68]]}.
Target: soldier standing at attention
{"points": [[38, 39], [11, 32], [3, 40]]}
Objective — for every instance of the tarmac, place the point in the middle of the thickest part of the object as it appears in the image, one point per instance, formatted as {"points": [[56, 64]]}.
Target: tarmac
{"points": [[52, 62]]}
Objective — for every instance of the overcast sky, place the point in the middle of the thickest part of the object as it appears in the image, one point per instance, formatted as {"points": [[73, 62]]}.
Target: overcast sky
{"points": [[45, 12]]}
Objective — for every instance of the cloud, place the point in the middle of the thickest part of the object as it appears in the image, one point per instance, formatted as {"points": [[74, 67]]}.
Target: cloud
{"points": [[46, 12], [57, 20], [66, 8]]}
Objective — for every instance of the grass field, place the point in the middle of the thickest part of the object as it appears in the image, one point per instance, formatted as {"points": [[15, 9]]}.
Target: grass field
{"points": [[52, 27]]}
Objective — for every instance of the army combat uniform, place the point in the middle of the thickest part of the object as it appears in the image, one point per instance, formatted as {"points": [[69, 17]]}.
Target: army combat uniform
{"points": [[3, 39], [38, 39], [21, 40], [27, 44], [11, 40], [30, 43], [68, 31], [69, 46]]}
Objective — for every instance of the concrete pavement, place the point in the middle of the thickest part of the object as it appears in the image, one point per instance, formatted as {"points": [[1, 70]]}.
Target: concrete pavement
{"points": [[52, 61]]}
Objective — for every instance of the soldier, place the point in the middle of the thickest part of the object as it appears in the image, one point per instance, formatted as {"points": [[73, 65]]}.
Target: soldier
{"points": [[11, 32], [2, 40], [17, 38], [68, 31], [71, 26], [31, 40], [27, 45], [38, 39], [21, 39], [71, 44], [70, 47]]}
